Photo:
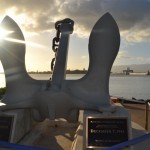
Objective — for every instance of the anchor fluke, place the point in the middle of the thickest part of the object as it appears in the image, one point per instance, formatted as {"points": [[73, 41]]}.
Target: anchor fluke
{"points": [[19, 86], [104, 43]]}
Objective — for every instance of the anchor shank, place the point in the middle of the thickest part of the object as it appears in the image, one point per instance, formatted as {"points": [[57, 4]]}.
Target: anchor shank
{"points": [[61, 57]]}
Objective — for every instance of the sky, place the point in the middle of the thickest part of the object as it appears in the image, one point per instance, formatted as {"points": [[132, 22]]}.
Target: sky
{"points": [[36, 19]]}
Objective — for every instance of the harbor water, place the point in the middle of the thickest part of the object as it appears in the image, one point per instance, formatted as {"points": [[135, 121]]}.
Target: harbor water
{"points": [[119, 85]]}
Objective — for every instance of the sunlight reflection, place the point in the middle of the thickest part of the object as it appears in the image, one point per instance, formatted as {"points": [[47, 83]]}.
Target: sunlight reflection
{"points": [[2, 104]]}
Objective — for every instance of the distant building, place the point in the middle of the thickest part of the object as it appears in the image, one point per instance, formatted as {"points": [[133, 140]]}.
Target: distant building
{"points": [[127, 71]]}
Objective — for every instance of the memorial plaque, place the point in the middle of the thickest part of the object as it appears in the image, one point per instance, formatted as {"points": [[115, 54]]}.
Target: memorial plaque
{"points": [[6, 123], [105, 132]]}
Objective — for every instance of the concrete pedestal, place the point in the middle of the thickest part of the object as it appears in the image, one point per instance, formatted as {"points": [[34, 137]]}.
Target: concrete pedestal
{"points": [[58, 134], [21, 123], [105, 129], [136, 132]]}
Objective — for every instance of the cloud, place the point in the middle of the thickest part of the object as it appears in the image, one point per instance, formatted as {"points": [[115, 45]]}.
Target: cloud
{"points": [[142, 60], [39, 15], [130, 15], [136, 35], [35, 15], [123, 54]]}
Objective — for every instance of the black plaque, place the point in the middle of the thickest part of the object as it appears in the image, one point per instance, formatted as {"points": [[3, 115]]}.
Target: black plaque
{"points": [[105, 132], [6, 123]]}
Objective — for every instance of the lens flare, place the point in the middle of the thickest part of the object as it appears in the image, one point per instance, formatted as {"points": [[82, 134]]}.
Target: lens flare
{"points": [[4, 33], [23, 42]]}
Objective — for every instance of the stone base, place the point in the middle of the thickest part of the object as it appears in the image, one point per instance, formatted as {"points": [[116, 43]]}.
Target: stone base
{"points": [[136, 132], [51, 134], [101, 130], [21, 123]]}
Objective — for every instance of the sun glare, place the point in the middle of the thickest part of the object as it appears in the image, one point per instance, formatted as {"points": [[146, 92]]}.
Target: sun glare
{"points": [[4, 36], [23, 42], [4, 33]]}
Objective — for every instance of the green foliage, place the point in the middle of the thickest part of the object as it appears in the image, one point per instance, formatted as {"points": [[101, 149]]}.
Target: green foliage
{"points": [[2, 91]]}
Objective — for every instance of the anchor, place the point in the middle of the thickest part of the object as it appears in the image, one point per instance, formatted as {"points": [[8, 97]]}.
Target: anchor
{"points": [[64, 98]]}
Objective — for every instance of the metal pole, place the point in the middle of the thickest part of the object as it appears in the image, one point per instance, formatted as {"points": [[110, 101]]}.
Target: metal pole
{"points": [[147, 113]]}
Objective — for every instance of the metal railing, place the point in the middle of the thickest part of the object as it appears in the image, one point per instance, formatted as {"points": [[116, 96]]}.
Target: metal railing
{"points": [[147, 105], [147, 113]]}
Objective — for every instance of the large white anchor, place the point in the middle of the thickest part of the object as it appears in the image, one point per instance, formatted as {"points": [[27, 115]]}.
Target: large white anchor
{"points": [[64, 98]]}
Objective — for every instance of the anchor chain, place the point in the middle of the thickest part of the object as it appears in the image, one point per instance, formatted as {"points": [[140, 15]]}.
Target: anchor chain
{"points": [[55, 44], [56, 39]]}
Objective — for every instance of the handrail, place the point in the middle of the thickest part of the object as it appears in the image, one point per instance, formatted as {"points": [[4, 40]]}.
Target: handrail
{"points": [[147, 113], [141, 101]]}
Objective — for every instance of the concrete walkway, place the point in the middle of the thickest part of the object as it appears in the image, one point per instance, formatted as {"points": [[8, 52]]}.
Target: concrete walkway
{"points": [[59, 134], [54, 135]]}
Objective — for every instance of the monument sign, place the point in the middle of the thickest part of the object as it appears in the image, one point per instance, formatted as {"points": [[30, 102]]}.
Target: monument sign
{"points": [[105, 132], [106, 129]]}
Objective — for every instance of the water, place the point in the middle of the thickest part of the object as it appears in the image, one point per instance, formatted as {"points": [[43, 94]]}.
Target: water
{"points": [[130, 86], [120, 85]]}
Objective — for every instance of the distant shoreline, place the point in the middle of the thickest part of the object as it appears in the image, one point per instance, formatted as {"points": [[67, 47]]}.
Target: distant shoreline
{"points": [[85, 71]]}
